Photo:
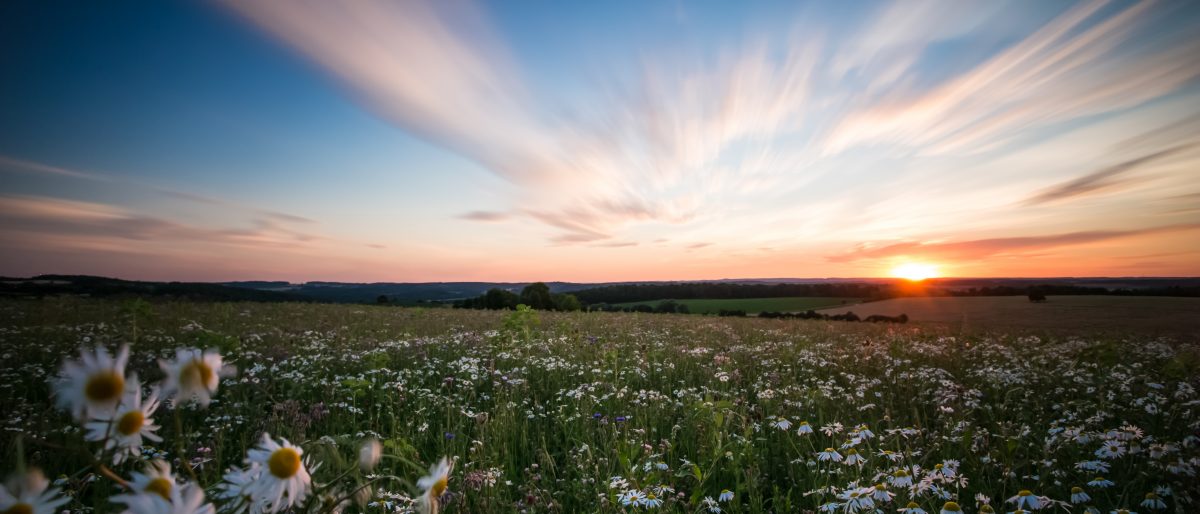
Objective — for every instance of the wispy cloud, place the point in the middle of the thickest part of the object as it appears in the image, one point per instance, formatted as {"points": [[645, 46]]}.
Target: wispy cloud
{"points": [[984, 248], [1103, 179]]}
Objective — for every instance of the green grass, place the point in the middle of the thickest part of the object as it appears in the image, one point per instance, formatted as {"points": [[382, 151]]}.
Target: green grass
{"points": [[541, 411], [1079, 315], [754, 305]]}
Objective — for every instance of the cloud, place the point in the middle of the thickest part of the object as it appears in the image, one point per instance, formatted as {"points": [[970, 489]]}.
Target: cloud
{"points": [[1067, 69], [485, 216], [695, 246], [982, 248], [1104, 178]]}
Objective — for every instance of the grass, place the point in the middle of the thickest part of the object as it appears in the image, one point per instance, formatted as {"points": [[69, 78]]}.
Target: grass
{"points": [[571, 412], [1138, 315], [755, 305]]}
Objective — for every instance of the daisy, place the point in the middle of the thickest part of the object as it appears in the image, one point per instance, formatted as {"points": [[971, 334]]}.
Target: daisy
{"points": [[93, 385], [234, 491], [651, 501], [188, 499], [900, 478], [1122, 511], [1026, 500], [912, 508], [804, 428], [852, 457], [632, 497], [29, 493], [830, 454], [1078, 496], [124, 430], [726, 495], [951, 508], [782, 424], [1152, 501], [1111, 450], [369, 454], [156, 480], [856, 499], [1100, 482], [283, 480], [709, 503], [863, 432], [881, 494], [193, 375], [435, 485], [986, 509], [890, 455]]}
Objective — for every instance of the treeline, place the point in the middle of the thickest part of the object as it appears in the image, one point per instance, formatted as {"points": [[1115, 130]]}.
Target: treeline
{"points": [[626, 293], [536, 296], [846, 316], [103, 287], [663, 307], [724, 290]]}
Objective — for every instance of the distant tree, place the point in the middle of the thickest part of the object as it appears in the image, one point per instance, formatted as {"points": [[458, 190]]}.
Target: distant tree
{"points": [[537, 296], [566, 302], [682, 309], [666, 306], [1037, 297], [499, 299], [382, 299]]}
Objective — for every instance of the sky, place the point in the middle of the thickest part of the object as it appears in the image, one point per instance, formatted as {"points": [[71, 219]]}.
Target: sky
{"points": [[523, 140]]}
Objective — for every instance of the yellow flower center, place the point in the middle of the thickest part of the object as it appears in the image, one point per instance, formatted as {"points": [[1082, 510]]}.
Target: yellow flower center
{"points": [[986, 509], [104, 386], [912, 505], [439, 487], [160, 486], [938, 466], [20, 508], [1076, 490], [131, 423], [900, 473], [829, 450], [284, 463], [852, 451], [1025, 492], [879, 487], [952, 507], [195, 374], [1151, 496]]}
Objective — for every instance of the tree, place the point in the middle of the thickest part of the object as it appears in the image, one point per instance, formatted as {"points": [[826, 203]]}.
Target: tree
{"points": [[537, 296], [566, 302], [498, 299], [382, 299]]}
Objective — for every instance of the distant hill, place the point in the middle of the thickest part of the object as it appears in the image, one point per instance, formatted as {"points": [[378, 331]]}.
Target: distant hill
{"points": [[611, 292], [84, 285]]}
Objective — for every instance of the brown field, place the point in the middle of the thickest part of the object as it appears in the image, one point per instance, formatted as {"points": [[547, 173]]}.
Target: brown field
{"points": [[1178, 317]]}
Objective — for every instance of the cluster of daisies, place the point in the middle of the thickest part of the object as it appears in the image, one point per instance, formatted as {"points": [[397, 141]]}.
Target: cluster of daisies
{"points": [[118, 414]]}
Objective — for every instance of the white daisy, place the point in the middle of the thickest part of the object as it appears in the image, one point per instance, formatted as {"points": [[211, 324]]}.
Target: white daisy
{"points": [[187, 499], [951, 508], [93, 385], [157, 479], [1079, 496], [726, 495], [369, 454], [804, 428], [881, 494], [1026, 500], [131, 422], [434, 485], [829, 454], [1100, 482], [852, 458], [235, 493], [194, 375], [782, 424], [912, 508], [283, 481], [900, 478], [29, 493], [1152, 501]]}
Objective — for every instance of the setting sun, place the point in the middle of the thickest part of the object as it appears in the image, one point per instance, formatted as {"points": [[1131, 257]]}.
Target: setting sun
{"points": [[915, 271]]}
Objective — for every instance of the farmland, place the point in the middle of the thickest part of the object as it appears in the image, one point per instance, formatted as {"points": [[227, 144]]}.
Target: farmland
{"points": [[1060, 314], [617, 412], [754, 305]]}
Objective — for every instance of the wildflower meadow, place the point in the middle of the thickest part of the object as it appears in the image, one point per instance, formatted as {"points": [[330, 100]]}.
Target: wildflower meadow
{"points": [[202, 408]]}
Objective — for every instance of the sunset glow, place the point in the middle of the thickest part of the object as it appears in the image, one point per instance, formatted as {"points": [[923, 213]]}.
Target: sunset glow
{"points": [[915, 271], [440, 141]]}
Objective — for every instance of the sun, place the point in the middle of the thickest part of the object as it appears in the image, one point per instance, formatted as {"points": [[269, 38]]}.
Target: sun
{"points": [[915, 271]]}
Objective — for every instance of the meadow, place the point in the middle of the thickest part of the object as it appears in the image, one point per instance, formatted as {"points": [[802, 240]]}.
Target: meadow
{"points": [[597, 412], [754, 305], [1070, 314]]}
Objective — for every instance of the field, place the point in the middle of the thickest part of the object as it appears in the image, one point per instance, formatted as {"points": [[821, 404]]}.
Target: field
{"points": [[606, 412], [755, 305], [1061, 314]]}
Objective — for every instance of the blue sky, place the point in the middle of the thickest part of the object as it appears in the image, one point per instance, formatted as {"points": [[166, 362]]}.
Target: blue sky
{"points": [[428, 141]]}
